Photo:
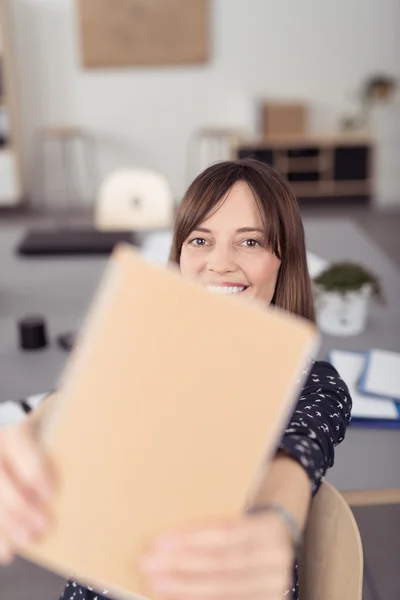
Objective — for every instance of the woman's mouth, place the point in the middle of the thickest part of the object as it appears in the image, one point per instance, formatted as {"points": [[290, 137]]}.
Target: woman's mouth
{"points": [[227, 289]]}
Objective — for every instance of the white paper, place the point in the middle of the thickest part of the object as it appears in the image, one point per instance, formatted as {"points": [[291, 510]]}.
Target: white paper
{"points": [[11, 412], [350, 365], [34, 400], [316, 264], [383, 375], [156, 246]]}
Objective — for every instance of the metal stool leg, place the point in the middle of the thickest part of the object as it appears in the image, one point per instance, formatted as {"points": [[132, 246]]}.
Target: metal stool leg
{"points": [[67, 149], [90, 160], [40, 171]]}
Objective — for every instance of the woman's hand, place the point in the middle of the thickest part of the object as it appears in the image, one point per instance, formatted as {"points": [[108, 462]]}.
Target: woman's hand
{"points": [[25, 488], [248, 559]]}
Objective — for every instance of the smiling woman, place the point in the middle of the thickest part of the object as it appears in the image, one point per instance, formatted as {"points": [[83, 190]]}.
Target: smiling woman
{"points": [[239, 227], [238, 231], [228, 258]]}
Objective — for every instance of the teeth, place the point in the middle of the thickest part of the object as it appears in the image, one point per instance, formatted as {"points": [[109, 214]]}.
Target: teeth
{"points": [[224, 289]]}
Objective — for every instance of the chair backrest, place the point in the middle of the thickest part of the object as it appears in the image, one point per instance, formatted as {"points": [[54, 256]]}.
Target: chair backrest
{"points": [[331, 560], [134, 199]]}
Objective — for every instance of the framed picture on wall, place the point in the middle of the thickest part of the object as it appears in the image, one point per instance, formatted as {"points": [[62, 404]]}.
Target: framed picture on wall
{"points": [[121, 33]]}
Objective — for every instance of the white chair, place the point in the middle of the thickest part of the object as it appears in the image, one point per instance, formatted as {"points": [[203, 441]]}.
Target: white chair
{"points": [[134, 199]]}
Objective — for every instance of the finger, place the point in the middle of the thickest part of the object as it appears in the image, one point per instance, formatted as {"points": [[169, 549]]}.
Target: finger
{"points": [[6, 555], [234, 564], [208, 537], [16, 503], [15, 497], [253, 589], [245, 538], [13, 532], [26, 462]]}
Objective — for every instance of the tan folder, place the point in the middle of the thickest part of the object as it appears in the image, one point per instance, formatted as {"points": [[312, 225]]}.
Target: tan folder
{"points": [[170, 404]]}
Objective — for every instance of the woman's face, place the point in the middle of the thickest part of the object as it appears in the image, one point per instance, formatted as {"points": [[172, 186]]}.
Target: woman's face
{"points": [[226, 254]]}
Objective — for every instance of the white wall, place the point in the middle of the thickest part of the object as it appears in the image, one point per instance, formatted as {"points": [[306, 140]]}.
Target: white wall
{"points": [[311, 49]]}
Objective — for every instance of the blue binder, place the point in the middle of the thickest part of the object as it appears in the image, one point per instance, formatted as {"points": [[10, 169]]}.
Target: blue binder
{"points": [[353, 366]]}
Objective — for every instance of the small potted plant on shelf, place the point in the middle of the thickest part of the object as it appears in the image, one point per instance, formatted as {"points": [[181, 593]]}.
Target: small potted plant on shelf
{"points": [[342, 295]]}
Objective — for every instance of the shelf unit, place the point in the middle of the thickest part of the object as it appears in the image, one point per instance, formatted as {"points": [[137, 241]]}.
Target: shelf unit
{"points": [[317, 166]]}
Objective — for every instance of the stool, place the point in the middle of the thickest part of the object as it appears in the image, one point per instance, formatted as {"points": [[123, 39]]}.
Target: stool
{"points": [[67, 139]]}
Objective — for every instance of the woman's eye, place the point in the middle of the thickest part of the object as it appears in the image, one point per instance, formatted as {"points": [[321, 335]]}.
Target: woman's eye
{"points": [[197, 242], [251, 243]]}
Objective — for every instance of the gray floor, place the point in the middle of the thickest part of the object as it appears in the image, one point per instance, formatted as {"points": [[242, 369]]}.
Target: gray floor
{"points": [[23, 581], [381, 550]]}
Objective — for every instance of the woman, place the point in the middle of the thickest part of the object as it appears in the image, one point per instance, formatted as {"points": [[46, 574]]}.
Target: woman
{"points": [[238, 231]]}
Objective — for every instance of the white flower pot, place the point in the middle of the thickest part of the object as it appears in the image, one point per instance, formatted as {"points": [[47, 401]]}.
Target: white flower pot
{"points": [[342, 314]]}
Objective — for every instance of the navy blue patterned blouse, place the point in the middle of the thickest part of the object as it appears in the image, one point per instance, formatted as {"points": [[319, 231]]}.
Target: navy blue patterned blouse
{"points": [[317, 425]]}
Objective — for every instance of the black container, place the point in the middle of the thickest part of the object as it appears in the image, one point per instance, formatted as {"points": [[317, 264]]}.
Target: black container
{"points": [[32, 333]]}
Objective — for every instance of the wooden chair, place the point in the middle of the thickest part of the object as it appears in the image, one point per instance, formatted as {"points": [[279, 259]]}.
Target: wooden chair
{"points": [[331, 560]]}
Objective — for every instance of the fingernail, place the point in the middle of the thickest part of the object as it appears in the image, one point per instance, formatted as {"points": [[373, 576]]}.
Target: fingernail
{"points": [[151, 563], [38, 522], [20, 536], [46, 490], [5, 558], [166, 542], [161, 585]]}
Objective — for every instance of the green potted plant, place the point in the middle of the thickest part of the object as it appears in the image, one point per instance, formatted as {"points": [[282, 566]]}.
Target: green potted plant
{"points": [[377, 89], [343, 292]]}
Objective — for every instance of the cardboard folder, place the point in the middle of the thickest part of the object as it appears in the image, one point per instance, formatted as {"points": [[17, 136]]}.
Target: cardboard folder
{"points": [[169, 409]]}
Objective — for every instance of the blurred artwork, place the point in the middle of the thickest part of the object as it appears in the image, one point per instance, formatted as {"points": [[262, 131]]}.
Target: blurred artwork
{"points": [[143, 32]]}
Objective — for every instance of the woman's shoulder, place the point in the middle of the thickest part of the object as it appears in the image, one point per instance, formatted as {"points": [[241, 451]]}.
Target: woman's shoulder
{"points": [[323, 367], [322, 372]]}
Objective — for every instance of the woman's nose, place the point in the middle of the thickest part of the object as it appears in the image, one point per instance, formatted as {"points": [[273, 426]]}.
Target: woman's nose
{"points": [[222, 260]]}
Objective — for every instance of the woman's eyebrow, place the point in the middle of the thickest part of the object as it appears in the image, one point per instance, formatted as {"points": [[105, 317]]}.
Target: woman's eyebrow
{"points": [[240, 230], [202, 229], [249, 230]]}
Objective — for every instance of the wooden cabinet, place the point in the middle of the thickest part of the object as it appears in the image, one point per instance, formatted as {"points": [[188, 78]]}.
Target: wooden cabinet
{"points": [[336, 166]]}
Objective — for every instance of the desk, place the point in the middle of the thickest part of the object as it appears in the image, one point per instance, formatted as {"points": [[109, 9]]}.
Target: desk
{"points": [[61, 289], [369, 457]]}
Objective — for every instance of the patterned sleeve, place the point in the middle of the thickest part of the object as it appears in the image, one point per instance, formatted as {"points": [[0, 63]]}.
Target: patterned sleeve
{"points": [[319, 422]]}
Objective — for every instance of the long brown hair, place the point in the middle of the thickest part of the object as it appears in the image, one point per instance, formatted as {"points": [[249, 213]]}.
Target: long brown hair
{"points": [[284, 232]]}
